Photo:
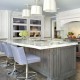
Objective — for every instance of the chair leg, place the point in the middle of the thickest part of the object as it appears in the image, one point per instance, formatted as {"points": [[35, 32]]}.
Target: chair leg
{"points": [[7, 62], [14, 72], [26, 78], [4, 64], [33, 74], [26, 72]]}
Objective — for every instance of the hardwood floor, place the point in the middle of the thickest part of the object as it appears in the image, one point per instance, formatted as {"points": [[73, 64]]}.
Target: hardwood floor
{"points": [[4, 76]]}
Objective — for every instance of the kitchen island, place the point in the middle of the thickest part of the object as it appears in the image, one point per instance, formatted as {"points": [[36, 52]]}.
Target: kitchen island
{"points": [[58, 58]]}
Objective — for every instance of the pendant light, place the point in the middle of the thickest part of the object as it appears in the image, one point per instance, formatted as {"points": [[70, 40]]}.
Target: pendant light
{"points": [[36, 9], [26, 12], [49, 6]]}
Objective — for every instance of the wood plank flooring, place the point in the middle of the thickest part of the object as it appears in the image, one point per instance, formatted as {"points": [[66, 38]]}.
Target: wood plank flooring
{"points": [[4, 76]]}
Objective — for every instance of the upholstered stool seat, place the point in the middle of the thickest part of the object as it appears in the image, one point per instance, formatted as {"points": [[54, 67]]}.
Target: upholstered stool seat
{"points": [[24, 59], [1, 49], [8, 52]]}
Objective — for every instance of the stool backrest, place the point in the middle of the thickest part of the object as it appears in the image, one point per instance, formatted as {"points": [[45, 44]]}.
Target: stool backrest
{"points": [[7, 49], [1, 47], [19, 55]]}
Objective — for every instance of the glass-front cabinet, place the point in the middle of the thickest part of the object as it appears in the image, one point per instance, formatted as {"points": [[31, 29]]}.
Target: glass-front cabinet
{"points": [[33, 25], [36, 22], [35, 28], [18, 25], [19, 21], [35, 31]]}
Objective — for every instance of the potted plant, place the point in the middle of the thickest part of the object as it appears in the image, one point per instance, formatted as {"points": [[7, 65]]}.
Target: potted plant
{"points": [[70, 34], [24, 34]]}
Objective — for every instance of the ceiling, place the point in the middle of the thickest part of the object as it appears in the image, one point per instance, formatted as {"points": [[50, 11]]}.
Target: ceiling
{"points": [[62, 5]]}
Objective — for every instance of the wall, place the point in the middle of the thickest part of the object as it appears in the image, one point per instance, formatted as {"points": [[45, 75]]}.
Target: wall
{"points": [[47, 26], [52, 29], [71, 27]]}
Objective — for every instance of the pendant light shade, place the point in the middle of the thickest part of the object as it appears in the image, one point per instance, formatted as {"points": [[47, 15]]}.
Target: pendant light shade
{"points": [[35, 9], [49, 6], [25, 13]]}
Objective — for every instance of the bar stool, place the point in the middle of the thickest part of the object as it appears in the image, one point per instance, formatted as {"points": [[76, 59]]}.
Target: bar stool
{"points": [[9, 55], [2, 55], [3, 63], [1, 49], [24, 59], [7, 51]]}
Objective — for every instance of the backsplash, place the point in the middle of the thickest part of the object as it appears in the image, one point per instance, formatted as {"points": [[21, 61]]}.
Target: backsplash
{"points": [[70, 27]]}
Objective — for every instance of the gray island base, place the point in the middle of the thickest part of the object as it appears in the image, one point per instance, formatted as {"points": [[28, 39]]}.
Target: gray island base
{"points": [[58, 58], [56, 63]]}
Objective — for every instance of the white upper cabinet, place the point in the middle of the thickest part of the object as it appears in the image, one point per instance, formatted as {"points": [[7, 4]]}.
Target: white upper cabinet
{"points": [[18, 25], [12, 23], [34, 25], [4, 24]]}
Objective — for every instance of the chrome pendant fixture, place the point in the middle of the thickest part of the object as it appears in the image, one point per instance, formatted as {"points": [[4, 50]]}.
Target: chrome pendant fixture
{"points": [[49, 6]]}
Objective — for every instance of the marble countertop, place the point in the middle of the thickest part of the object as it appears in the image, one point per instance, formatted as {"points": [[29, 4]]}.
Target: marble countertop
{"points": [[41, 44]]}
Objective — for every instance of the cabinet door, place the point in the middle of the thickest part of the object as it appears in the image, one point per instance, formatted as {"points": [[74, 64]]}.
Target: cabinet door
{"points": [[0, 25], [4, 24], [35, 28], [19, 21], [36, 22], [18, 24]]}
